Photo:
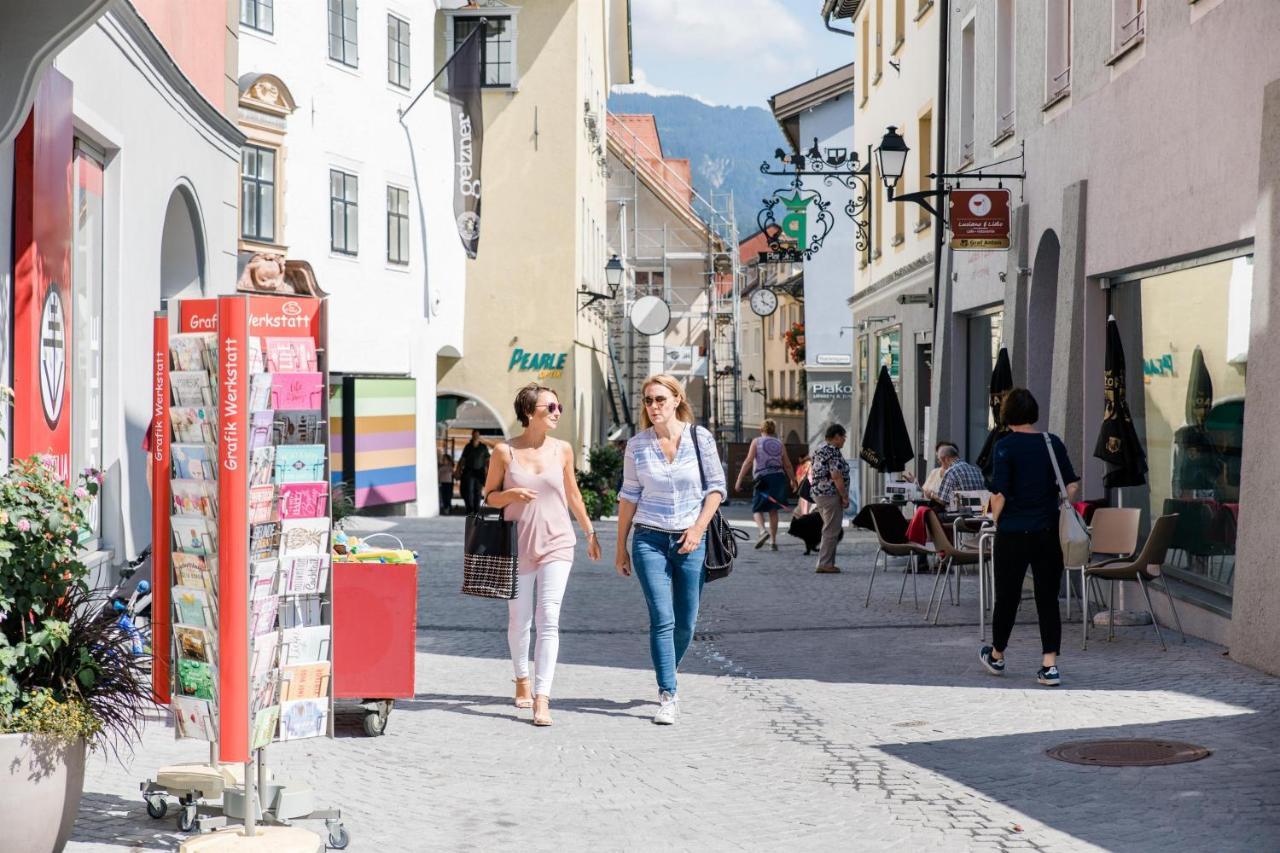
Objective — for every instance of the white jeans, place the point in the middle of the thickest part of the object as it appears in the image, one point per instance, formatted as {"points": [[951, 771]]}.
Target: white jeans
{"points": [[550, 579]]}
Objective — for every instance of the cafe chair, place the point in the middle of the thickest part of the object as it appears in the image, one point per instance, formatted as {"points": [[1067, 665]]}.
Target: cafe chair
{"points": [[1144, 568], [887, 549], [1113, 535], [951, 556]]}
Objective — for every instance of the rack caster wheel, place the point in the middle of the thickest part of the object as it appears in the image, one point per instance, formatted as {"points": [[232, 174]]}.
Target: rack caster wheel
{"points": [[187, 820], [157, 806], [375, 721], [338, 837]]}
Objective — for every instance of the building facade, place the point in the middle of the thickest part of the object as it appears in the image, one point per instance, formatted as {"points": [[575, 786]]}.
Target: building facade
{"points": [[771, 380], [332, 174], [119, 175], [548, 69]]}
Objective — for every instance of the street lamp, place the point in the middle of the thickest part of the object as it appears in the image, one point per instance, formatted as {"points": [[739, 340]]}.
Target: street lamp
{"points": [[753, 388], [613, 278], [892, 155]]}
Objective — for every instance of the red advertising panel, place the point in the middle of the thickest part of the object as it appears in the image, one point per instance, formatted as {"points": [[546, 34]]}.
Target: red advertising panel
{"points": [[233, 530], [979, 220], [42, 276], [197, 315], [160, 498], [284, 317]]}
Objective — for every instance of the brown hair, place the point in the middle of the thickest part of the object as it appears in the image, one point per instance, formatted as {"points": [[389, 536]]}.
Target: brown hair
{"points": [[666, 380], [526, 402], [769, 426], [1019, 408]]}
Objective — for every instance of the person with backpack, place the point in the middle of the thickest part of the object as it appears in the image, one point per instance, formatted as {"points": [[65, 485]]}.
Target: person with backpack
{"points": [[472, 467]]}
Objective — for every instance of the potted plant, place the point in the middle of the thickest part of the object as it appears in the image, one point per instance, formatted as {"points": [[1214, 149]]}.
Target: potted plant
{"points": [[68, 678], [598, 483]]}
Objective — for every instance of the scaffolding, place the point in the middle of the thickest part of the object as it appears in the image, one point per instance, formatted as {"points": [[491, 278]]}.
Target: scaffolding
{"points": [[679, 245]]}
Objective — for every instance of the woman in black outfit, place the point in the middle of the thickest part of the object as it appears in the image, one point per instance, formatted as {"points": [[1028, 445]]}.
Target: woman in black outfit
{"points": [[1025, 503]]}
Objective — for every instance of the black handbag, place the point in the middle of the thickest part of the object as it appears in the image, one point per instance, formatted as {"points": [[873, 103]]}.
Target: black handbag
{"points": [[489, 556], [722, 545]]}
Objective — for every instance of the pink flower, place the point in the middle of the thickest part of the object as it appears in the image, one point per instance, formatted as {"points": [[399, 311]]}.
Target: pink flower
{"points": [[24, 525], [49, 461], [81, 492]]}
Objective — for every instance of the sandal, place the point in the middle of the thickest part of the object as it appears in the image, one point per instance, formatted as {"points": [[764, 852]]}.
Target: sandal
{"points": [[542, 710], [524, 693]]}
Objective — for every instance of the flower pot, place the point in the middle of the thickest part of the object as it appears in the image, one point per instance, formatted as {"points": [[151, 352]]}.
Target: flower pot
{"points": [[41, 779]]}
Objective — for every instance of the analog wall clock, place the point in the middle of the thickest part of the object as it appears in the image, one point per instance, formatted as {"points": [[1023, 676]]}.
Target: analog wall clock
{"points": [[764, 302]]}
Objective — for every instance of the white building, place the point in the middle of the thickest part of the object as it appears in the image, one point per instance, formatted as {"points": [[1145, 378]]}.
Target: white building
{"points": [[333, 177]]}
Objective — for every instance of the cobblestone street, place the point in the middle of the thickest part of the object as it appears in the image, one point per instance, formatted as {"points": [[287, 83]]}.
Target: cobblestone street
{"points": [[808, 723]]}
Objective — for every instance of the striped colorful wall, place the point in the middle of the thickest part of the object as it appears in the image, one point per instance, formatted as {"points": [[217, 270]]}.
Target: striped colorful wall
{"points": [[373, 439]]}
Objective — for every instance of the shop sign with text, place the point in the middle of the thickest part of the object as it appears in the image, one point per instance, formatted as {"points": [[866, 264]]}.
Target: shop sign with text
{"points": [[548, 365], [979, 220]]}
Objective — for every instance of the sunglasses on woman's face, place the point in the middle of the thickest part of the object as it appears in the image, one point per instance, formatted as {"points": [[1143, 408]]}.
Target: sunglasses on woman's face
{"points": [[552, 408], [659, 401]]}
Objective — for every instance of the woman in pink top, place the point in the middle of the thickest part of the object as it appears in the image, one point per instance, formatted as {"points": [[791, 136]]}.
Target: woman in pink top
{"points": [[532, 476]]}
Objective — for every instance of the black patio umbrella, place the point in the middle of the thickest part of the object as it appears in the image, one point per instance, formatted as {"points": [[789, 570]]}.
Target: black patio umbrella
{"points": [[1199, 390], [1196, 462], [1118, 443], [1001, 381], [886, 444]]}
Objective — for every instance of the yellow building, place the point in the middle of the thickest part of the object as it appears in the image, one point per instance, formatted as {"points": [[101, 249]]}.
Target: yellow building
{"points": [[548, 69]]}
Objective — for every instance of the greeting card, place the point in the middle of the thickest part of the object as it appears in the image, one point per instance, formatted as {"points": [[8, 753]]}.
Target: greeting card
{"points": [[194, 534], [195, 497], [192, 606], [304, 718], [300, 463], [196, 678], [262, 464], [261, 428], [262, 503], [197, 572], [193, 718], [297, 390], [305, 681], [193, 461], [259, 391], [304, 500], [191, 388], [194, 424], [194, 643], [305, 575], [287, 355], [298, 427]]}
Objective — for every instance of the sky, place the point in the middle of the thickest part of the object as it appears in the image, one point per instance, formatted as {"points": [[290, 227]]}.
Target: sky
{"points": [[732, 52]]}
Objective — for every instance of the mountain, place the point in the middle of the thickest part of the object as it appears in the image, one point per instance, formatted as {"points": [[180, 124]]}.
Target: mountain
{"points": [[724, 146]]}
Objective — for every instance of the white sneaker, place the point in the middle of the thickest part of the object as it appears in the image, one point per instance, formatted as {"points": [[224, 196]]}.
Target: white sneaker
{"points": [[668, 705]]}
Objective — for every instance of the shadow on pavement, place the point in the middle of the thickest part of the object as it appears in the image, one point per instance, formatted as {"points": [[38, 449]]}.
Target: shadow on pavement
{"points": [[125, 822], [466, 704]]}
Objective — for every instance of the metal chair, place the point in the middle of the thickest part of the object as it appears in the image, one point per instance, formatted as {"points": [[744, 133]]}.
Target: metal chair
{"points": [[1113, 534], [888, 549], [951, 556], [1143, 568]]}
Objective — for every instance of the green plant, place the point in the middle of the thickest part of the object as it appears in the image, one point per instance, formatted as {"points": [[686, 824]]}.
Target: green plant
{"points": [[599, 482], [62, 653], [343, 504]]}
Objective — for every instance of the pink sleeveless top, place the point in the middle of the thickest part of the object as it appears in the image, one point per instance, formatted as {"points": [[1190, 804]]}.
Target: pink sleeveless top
{"points": [[544, 528]]}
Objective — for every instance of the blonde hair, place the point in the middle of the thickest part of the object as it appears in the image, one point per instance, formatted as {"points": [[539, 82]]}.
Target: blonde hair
{"points": [[666, 380], [769, 426]]}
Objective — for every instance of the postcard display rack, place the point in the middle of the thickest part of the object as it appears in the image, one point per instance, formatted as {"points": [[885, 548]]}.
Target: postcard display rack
{"points": [[241, 493]]}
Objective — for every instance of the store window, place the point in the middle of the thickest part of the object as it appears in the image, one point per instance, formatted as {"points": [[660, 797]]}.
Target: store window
{"points": [[1186, 339], [342, 32], [397, 225], [86, 319], [983, 347], [397, 52], [889, 349], [497, 52], [257, 15], [258, 193], [343, 212]]}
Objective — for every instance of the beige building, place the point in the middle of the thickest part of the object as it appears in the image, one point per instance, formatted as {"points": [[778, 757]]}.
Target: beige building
{"points": [[771, 382], [548, 69]]}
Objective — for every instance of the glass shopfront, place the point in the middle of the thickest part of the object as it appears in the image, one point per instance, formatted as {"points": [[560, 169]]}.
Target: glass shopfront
{"points": [[984, 337], [889, 347], [1186, 341]]}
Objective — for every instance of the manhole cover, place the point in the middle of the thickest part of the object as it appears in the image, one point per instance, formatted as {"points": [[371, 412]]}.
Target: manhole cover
{"points": [[1127, 753]]}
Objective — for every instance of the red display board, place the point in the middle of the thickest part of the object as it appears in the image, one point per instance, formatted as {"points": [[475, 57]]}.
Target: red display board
{"points": [[161, 677], [979, 219], [42, 326], [375, 623]]}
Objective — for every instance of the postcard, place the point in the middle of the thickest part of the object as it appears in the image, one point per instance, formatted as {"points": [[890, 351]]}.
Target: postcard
{"points": [[197, 572], [298, 427], [191, 388], [304, 681], [194, 424], [262, 464], [304, 645], [304, 536], [264, 540], [195, 643], [304, 500], [195, 497], [194, 461], [304, 718], [265, 723], [196, 679], [306, 575], [287, 355], [301, 463], [193, 718], [191, 606], [262, 504], [297, 391], [194, 351], [194, 535]]}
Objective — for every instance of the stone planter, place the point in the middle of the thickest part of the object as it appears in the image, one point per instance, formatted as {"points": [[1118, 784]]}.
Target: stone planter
{"points": [[40, 784]]}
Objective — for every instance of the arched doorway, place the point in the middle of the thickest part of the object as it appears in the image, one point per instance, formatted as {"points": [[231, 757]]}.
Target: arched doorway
{"points": [[1042, 314], [182, 250], [458, 416]]}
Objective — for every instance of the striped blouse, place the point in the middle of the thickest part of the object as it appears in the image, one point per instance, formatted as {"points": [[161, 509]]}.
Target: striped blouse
{"points": [[669, 495]]}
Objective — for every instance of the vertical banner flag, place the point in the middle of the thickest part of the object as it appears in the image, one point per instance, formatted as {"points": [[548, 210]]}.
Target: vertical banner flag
{"points": [[465, 70]]}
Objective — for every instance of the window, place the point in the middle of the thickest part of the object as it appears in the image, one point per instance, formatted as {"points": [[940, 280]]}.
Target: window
{"points": [[343, 212], [1004, 67], [498, 51], [1188, 331], [257, 15], [397, 225], [771, 390], [925, 153], [866, 58], [889, 346], [864, 367], [877, 213], [967, 76], [1057, 52], [1129, 22], [397, 52], [983, 347], [899, 24], [86, 319], [342, 32], [879, 39], [258, 193]]}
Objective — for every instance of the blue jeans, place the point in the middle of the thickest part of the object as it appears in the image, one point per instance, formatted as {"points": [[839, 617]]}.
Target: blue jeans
{"points": [[672, 584]]}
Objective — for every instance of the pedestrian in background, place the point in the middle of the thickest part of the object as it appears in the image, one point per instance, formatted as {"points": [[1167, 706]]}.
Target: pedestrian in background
{"points": [[662, 494], [532, 479], [471, 471], [772, 476], [1025, 503], [444, 474], [830, 478], [804, 493]]}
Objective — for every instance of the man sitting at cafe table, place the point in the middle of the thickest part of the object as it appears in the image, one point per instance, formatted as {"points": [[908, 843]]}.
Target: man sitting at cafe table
{"points": [[957, 476]]}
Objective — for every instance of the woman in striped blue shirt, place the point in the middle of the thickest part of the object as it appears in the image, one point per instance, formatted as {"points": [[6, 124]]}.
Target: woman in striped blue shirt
{"points": [[663, 495]]}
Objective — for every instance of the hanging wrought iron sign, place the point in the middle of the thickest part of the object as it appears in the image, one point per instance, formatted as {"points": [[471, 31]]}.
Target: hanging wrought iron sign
{"points": [[796, 219]]}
